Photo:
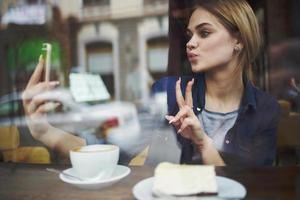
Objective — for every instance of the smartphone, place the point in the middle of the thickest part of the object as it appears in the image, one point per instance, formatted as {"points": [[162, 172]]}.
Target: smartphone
{"points": [[47, 48]]}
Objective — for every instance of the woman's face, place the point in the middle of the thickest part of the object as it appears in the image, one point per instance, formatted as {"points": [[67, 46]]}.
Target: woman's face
{"points": [[210, 44]]}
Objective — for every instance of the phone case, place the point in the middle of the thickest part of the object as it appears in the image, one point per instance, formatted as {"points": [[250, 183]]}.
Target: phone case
{"points": [[48, 48]]}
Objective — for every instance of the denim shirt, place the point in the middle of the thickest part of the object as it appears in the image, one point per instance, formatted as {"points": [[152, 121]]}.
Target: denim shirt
{"points": [[251, 140]]}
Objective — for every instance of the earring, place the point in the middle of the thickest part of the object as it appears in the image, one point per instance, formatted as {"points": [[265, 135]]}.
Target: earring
{"points": [[237, 48]]}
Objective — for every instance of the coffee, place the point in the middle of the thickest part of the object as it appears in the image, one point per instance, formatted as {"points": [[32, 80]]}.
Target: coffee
{"points": [[92, 148], [94, 161], [76, 149]]}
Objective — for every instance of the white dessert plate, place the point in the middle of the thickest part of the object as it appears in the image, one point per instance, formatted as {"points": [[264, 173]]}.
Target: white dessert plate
{"points": [[227, 189], [120, 172]]}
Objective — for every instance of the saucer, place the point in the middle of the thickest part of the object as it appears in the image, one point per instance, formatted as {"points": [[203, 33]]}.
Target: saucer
{"points": [[120, 172], [227, 188]]}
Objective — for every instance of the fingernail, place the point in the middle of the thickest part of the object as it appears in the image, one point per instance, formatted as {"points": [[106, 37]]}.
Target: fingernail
{"points": [[41, 58], [54, 83], [191, 82], [57, 104], [171, 121], [50, 106], [167, 117], [179, 131]]}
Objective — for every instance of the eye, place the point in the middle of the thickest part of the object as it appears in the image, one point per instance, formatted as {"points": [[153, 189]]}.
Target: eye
{"points": [[204, 33]]}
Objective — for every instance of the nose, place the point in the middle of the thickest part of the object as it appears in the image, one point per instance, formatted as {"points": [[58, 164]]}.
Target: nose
{"points": [[192, 43]]}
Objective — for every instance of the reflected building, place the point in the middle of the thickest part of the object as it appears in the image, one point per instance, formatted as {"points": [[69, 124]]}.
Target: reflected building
{"points": [[120, 38], [107, 37], [125, 42]]}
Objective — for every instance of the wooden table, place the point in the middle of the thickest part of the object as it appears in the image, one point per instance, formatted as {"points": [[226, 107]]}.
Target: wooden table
{"points": [[23, 181]]}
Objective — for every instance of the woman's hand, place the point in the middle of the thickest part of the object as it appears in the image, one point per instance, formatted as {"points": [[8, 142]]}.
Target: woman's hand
{"points": [[188, 125], [185, 121], [36, 108], [34, 105]]}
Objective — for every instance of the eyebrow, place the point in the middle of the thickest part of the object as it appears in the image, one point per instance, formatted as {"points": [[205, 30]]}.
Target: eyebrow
{"points": [[200, 26]]}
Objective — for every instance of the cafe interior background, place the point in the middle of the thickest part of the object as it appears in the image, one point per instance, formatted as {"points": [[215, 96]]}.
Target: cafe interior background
{"points": [[112, 51]]}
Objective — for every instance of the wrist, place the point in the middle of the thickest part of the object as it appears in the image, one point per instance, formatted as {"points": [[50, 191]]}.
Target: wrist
{"points": [[38, 130], [204, 143], [207, 141]]}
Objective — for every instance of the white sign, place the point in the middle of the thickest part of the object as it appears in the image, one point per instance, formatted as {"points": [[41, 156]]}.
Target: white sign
{"points": [[29, 14], [88, 87]]}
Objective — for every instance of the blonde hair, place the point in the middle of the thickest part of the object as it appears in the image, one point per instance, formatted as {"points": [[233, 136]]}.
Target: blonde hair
{"points": [[239, 19]]}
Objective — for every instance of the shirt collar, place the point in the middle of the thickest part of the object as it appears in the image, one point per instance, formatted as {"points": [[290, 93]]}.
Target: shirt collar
{"points": [[248, 99]]}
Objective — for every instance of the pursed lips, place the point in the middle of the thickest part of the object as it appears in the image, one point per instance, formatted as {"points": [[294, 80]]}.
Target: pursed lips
{"points": [[192, 56]]}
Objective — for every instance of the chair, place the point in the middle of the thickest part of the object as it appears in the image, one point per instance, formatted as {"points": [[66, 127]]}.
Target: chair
{"points": [[12, 152], [288, 135]]}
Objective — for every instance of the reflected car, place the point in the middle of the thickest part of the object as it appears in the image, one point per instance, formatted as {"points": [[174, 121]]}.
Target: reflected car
{"points": [[70, 115]]}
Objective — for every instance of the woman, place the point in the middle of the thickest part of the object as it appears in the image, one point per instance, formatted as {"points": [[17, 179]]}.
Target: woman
{"points": [[222, 119]]}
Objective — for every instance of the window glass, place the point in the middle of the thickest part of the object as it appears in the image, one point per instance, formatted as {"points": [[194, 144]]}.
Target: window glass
{"points": [[157, 55], [119, 50], [96, 2], [100, 61]]}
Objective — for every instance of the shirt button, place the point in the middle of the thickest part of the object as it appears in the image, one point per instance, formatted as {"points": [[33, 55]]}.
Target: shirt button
{"points": [[227, 141]]}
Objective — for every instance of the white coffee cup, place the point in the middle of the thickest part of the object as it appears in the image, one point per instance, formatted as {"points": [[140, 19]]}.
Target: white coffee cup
{"points": [[95, 161]]}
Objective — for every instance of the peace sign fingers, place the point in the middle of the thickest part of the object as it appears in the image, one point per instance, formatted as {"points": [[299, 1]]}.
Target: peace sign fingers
{"points": [[188, 100], [179, 96], [188, 94]]}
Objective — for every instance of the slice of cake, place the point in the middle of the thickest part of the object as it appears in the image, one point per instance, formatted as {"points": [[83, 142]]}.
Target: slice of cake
{"points": [[184, 180]]}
